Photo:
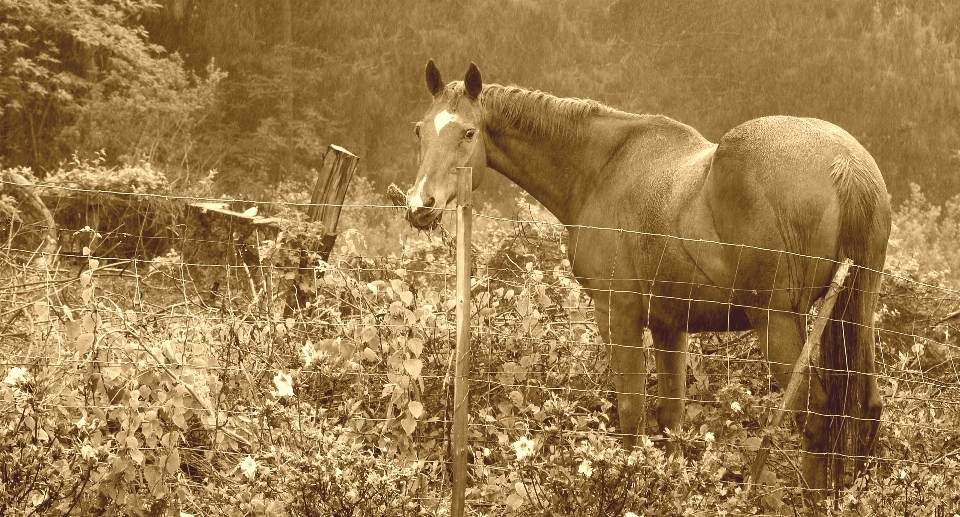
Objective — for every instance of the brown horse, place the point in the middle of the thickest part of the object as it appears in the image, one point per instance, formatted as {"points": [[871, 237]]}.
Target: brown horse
{"points": [[671, 232]]}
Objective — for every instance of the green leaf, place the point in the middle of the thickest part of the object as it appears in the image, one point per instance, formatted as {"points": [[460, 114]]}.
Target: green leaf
{"points": [[84, 342], [368, 334], [753, 443], [179, 419], [173, 461], [413, 366], [154, 475], [88, 323], [409, 424], [415, 345], [416, 409]]}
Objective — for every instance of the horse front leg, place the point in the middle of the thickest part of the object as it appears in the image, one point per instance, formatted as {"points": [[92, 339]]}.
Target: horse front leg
{"points": [[619, 319], [671, 350]]}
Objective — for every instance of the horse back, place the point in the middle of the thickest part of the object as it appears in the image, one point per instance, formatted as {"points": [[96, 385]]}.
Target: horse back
{"points": [[790, 185]]}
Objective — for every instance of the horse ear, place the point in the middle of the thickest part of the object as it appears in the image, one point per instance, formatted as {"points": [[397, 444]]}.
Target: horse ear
{"points": [[434, 81], [473, 82]]}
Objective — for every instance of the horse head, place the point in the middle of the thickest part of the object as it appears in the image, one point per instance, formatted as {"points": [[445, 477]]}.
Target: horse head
{"points": [[451, 135]]}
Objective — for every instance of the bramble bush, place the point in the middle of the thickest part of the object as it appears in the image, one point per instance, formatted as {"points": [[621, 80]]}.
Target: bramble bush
{"points": [[125, 394]]}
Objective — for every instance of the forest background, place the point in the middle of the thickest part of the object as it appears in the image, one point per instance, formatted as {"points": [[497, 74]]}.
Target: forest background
{"points": [[257, 89], [267, 412]]}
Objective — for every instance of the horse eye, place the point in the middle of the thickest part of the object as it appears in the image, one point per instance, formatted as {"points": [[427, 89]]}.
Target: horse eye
{"points": [[416, 130], [470, 133]]}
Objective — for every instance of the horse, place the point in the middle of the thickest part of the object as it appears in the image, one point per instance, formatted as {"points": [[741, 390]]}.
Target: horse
{"points": [[673, 233]]}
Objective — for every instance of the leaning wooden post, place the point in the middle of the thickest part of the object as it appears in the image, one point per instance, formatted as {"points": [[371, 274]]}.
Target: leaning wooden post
{"points": [[460, 381], [810, 349]]}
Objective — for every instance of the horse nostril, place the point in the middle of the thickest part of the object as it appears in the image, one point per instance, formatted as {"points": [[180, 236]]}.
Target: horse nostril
{"points": [[429, 202]]}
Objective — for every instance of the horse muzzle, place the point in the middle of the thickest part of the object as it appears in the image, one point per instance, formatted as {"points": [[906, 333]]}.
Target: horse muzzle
{"points": [[424, 218]]}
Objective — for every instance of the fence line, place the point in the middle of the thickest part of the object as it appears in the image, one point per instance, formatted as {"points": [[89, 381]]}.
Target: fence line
{"points": [[499, 341]]}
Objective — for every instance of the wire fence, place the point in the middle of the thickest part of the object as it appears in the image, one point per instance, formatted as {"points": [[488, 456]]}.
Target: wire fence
{"points": [[162, 328]]}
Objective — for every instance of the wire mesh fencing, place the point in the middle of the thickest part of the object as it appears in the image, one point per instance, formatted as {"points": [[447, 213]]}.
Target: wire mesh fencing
{"points": [[173, 358]]}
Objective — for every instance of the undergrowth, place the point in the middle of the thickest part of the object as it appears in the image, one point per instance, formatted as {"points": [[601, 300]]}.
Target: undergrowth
{"points": [[125, 394]]}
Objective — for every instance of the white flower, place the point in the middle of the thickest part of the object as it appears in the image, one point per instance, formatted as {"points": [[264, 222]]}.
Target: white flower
{"points": [[284, 384], [586, 468], [735, 406], [524, 447], [87, 452], [307, 351], [708, 437], [16, 376], [249, 467], [631, 514], [647, 442]]}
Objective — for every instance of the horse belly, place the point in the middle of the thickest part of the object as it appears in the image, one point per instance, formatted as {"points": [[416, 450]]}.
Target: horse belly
{"points": [[699, 308]]}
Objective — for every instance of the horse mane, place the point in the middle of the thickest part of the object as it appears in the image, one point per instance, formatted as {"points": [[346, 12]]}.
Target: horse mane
{"points": [[536, 112]]}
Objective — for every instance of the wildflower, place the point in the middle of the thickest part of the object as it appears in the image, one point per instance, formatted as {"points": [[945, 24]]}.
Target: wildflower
{"points": [[87, 452], [735, 406], [708, 437], [249, 467], [524, 447], [16, 376], [647, 442], [284, 384], [631, 514], [352, 496], [307, 351], [586, 468]]}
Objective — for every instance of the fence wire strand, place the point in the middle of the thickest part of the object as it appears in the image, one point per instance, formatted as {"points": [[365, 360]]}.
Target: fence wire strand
{"points": [[540, 367]]}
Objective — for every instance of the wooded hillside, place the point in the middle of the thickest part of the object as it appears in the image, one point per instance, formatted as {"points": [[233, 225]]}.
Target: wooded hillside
{"points": [[256, 89]]}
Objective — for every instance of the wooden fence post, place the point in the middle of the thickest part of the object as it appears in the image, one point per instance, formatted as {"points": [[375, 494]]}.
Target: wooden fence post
{"points": [[461, 381], [811, 349], [325, 205], [329, 193]]}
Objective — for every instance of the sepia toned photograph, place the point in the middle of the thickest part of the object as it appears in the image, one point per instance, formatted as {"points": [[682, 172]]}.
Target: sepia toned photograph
{"points": [[485, 258]]}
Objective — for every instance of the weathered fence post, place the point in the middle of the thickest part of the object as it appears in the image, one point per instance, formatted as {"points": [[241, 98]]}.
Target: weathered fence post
{"points": [[325, 205], [461, 381], [811, 349], [329, 193]]}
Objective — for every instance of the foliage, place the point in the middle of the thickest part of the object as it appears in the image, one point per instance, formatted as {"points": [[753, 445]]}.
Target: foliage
{"points": [[923, 237], [93, 176], [128, 393], [81, 76], [922, 261], [156, 118], [351, 73]]}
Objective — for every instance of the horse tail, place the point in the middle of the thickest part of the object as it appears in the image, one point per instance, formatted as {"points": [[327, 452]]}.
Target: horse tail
{"points": [[848, 354]]}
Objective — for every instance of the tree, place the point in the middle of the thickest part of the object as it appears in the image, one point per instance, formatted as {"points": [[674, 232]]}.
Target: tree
{"points": [[81, 75]]}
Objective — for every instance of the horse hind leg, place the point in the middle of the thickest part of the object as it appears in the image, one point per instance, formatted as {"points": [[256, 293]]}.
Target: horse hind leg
{"points": [[780, 336]]}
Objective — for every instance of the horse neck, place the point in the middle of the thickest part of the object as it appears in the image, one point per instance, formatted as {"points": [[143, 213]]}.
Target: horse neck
{"points": [[562, 176]]}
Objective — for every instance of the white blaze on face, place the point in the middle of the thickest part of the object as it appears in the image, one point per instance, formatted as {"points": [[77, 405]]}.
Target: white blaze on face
{"points": [[415, 201], [442, 119]]}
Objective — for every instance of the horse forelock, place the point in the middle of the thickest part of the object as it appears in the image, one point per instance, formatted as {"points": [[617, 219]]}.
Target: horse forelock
{"points": [[532, 111]]}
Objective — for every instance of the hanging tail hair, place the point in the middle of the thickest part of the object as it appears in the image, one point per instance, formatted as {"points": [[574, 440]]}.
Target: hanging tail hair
{"points": [[848, 354]]}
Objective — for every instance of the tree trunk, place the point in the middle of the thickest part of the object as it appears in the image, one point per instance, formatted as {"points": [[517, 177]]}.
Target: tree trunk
{"points": [[286, 42]]}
